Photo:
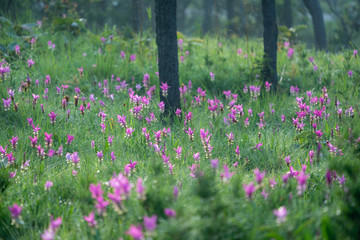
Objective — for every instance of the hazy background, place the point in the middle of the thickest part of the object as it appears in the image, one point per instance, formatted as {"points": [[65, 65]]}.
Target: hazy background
{"points": [[219, 18]]}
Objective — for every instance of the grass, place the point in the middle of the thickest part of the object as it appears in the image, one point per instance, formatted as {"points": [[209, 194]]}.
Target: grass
{"points": [[208, 207]]}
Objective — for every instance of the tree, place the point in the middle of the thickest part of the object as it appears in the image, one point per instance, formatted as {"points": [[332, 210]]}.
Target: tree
{"points": [[135, 15], [207, 20], [269, 72], [230, 17], [286, 15], [166, 40], [318, 22]]}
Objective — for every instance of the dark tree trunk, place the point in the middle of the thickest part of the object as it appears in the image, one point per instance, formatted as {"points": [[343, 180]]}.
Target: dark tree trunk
{"points": [[269, 72], [207, 21], [318, 22], [136, 15], [166, 40], [242, 18], [287, 14], [230, 17]]}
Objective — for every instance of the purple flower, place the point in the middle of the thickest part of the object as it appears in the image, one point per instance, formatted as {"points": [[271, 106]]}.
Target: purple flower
{"points": [[302, 177], [132, 58], [214, 163], [170, 213], [52, 116], [14, 142], [15, 210], [48, 185], [249, 189], [140, 189], [100, 155], [150, 223], [135, 232], [350, 73], [7, 104], [30, 62], [226, 175], [91, 219], [129, 131], [259, 176], [280, 214]]}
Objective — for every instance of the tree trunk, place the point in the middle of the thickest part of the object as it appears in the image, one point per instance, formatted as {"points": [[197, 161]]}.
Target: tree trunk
{"points": [[207, 21], [166, 40], [230, 17], [318, 22], [135, 15], [287, 13], [242, 18], [269, 72]]}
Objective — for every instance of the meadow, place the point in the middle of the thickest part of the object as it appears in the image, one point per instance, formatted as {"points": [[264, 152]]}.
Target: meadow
{"points": [[85, 153]]}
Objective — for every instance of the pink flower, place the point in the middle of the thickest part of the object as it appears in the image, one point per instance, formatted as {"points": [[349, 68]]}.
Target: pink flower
{"points": [[259, 176], [129, 131], [150, 223], [15, 210], [135, 232], [249, 189], [170, 213], [48, 185], [226, 175], [91, 219], [280, 214]]}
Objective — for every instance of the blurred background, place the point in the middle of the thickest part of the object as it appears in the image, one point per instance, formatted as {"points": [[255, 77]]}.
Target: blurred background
{"points": [[196, 18]]}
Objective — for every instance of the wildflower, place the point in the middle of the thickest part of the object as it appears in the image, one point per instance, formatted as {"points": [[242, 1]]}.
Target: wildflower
{"points": [[140, 189], [14, 142], [328, 177], [258, 146], [319, 133], [311, 155], [190, 132], [7, 104], [113, 157], [48, 139], [91, 219], [178, 151], [272, 182], [212, 76], [129, 131], [74, 173], [341, 180], [259, 176], [249, 189], [100, 155], [290, 53], [30, 62], [264, 194], [214, 163], [15, 211], [196, 157], [302, 177], [176, 192], [267, 86], [280, 214], [52, 116], [48, 185], [230, 137], [226, 175], [170, 212], [287, 160], [132, 58], [135, 232], [161, 106], [164, 87], [110, 140], [350, 73], [237, 151], [75, 158], [150, 223]]}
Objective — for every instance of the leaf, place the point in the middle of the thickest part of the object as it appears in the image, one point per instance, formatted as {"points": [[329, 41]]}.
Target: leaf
{"points": [[327, 230], [5, 21], [2, 48]]}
